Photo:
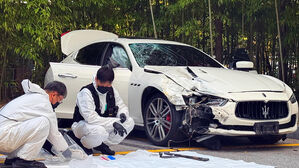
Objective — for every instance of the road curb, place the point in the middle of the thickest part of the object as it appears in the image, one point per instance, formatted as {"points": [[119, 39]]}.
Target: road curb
{"points": [[294, 135]]}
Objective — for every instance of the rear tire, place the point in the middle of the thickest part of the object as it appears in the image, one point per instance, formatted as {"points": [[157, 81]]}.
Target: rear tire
{"points": [[161, 120], [270, 139]]}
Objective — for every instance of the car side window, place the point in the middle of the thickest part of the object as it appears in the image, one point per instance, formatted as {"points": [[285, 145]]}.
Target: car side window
{"points": [[91, 54], [117, 57]]}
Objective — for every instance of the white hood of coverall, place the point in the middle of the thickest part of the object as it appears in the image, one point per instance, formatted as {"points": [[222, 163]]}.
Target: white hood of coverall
{"points": [[34, 103]]}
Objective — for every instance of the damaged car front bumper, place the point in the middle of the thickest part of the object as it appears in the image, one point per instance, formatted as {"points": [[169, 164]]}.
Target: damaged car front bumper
{"points": [[241, 118]]}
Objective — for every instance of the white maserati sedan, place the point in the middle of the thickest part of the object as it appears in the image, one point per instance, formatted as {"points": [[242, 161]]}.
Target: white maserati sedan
{"points": [[174, 90]]}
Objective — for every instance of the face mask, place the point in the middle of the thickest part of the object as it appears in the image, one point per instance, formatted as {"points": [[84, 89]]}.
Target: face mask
{"points": [[103, 89], [55, 105]]}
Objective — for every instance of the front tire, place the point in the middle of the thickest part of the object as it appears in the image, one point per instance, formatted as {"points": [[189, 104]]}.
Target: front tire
{"points": [[161, 120], [270, 139]]}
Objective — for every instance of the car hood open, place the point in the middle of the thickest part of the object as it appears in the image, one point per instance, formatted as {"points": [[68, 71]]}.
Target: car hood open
{"points": [[218, 80]]}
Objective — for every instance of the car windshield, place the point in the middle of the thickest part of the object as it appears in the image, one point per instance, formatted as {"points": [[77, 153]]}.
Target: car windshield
{"points": [[170, 55]]}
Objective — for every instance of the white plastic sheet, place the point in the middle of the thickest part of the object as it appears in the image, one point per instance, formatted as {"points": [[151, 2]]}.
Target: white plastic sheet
{"points": [[146, 159], [59, 161]]}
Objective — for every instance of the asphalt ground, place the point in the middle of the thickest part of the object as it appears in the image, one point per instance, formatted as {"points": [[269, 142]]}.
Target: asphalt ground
{"points": [[284, 154]]}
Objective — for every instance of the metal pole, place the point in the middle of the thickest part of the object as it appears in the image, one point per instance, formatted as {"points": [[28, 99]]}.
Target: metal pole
{"points": [[211, 36], [279, 41]]}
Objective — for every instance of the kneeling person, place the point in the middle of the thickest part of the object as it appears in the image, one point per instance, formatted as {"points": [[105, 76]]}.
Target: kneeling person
{"points": [[100, 116], [27, 121]]}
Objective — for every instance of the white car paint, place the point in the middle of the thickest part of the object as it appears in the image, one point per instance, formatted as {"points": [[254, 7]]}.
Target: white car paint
{"points": [[75, 40], [173, 82]]}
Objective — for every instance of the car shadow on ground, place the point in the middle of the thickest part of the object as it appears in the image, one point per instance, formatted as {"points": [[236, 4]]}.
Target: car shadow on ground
{"points": [[228, 143]]}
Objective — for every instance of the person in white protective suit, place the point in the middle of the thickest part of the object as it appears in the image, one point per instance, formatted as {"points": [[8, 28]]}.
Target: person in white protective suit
{"points": [[100, 117], [28, 121]]}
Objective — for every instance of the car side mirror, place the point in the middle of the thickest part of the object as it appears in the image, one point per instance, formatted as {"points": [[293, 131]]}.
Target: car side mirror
{"points": [[244, 65]]}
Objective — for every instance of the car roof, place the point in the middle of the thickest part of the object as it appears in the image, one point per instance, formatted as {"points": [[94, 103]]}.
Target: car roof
{"points": [[147, 40]]}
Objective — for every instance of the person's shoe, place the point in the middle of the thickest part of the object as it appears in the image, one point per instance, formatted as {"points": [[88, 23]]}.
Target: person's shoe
{"points": [[104, 149], [47, 146], [8, 162], [77, 140], [18, 162]]}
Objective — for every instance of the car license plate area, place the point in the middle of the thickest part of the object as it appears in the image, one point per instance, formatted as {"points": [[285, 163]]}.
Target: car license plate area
{"points": [[266, 128]]}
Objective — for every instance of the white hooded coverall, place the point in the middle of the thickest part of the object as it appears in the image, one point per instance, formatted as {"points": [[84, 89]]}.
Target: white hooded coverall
{"points": [[94, 129], [26, 122]]}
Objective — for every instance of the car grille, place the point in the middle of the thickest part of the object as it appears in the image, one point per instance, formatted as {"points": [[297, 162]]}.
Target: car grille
{"points": [[259, 110]]}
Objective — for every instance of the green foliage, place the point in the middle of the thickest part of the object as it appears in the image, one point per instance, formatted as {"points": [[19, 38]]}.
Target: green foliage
{"points": [[30, 30]]}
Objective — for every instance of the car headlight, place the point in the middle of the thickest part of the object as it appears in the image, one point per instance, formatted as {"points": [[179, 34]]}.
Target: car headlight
{"points": [[293, 98], [216, 101], [206, 99]]}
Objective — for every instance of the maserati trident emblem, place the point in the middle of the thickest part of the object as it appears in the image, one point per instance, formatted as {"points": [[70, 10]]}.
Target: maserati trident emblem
{"points": [[265, 110]]}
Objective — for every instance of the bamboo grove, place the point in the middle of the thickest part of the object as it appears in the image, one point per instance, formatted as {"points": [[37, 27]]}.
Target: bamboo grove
{"points": [[30, 31]]}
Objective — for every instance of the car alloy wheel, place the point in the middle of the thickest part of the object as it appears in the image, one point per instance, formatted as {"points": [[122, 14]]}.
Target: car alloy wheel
{"points": [[158, 119]]}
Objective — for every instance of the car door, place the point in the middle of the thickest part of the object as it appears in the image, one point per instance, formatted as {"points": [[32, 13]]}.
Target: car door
{"points": [[77, 75], [117, 58]]}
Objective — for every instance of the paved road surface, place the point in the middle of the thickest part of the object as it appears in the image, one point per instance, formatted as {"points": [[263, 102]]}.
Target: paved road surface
{"points": [[285, 154]]}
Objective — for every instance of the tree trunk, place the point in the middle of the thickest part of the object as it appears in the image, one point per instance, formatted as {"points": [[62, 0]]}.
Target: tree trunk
{"points": [[218, 40], [258, 54], [273, 56], [232, 36], [279, 42], [227, 45], [268, 65], [153, 20], [251, 40], [203, 41], [183, 21], [3, 73], [262, 50], [211, 34]]}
